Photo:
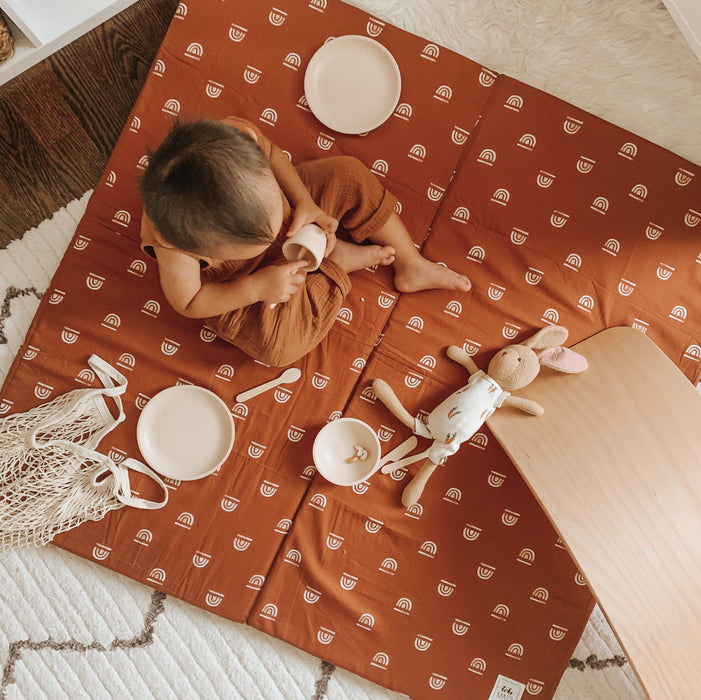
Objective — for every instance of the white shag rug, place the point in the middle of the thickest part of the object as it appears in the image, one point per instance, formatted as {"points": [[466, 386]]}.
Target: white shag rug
{"points": [[72, 629]]}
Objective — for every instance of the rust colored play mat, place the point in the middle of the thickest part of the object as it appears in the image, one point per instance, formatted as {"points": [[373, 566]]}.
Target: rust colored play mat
{"points": [[557, 216]]}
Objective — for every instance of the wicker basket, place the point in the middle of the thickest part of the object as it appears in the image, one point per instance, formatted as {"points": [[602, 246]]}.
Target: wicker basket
{"points": [[7, 43]]}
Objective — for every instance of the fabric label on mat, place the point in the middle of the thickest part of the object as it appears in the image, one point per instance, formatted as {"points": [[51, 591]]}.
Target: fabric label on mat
{"points": [[506, 689]]}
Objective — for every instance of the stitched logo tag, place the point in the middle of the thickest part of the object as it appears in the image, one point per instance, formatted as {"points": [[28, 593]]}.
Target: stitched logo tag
{"points": [[506, 689]]}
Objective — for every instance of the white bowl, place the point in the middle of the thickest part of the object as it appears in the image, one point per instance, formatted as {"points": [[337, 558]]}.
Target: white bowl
{"points": [[336, 442]]}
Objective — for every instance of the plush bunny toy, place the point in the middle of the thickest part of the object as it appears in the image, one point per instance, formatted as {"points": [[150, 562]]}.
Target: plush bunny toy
{"points": [[458, 418]]}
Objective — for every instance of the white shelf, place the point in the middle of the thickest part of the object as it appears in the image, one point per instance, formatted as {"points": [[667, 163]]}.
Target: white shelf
{"points": [[17, 19], [41, 27], [687, 15]]}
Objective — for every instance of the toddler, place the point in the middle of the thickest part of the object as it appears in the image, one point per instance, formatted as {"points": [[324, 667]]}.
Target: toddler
{"points": [[219, 200]]}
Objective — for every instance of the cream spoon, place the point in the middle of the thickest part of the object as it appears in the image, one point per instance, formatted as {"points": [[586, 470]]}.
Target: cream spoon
{"points": [[288, 376]]}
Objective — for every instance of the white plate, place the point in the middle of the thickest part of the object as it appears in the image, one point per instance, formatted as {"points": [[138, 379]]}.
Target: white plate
{"points": [[185, 432], [352, 84]]}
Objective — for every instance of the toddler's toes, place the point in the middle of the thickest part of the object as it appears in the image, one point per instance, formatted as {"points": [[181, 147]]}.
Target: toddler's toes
{"points": [[386, 255], [424, 274], [462, 283]]}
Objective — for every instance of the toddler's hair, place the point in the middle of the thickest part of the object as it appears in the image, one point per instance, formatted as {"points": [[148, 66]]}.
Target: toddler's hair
{"points": [[202, 185]]}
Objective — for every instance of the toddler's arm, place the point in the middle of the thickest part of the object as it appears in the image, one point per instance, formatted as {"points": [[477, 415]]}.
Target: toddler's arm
{"points": [[181, 284], [306, 211]]}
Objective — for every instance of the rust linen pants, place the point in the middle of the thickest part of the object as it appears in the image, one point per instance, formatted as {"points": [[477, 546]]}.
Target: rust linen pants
{"points": [[344, 188]]}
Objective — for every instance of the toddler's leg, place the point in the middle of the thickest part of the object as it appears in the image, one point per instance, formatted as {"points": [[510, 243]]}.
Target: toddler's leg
{"points": [[352, 256], [413, 272], [282, 334], [345, 188]]}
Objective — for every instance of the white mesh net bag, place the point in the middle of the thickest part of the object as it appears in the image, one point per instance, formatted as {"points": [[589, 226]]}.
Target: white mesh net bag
{"points": [[51, 476]]}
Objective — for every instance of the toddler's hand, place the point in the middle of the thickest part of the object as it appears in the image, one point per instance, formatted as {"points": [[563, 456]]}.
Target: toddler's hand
{"points": [[330, 243], [279, 283], [310, 213]]}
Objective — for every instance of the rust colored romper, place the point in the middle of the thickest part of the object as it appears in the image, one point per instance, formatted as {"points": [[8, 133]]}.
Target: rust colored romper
{"points": [[344, 188]]}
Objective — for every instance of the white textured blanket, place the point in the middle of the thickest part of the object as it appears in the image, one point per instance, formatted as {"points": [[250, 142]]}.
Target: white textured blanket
{"points": [[69, 628]]}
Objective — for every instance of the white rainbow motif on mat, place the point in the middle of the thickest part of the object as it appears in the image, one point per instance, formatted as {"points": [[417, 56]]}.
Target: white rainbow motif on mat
{"points": [[374, 27], [431, 52], [237, 33], [366, 621]]}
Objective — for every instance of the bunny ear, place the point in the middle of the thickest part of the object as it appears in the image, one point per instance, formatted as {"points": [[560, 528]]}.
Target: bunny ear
{"points": [[563, 360], [547, 337]]}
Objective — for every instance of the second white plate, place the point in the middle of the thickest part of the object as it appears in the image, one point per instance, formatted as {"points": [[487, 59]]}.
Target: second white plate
{"points": [[185, 432], [352, 84]]}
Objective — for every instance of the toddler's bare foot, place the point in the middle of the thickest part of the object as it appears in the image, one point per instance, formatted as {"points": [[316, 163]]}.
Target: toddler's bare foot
{"points": [[352, 257], [421, 273]]}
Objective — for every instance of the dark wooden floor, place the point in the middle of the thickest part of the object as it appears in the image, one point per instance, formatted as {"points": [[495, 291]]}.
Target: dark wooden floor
{"points": [[60, 119]]}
